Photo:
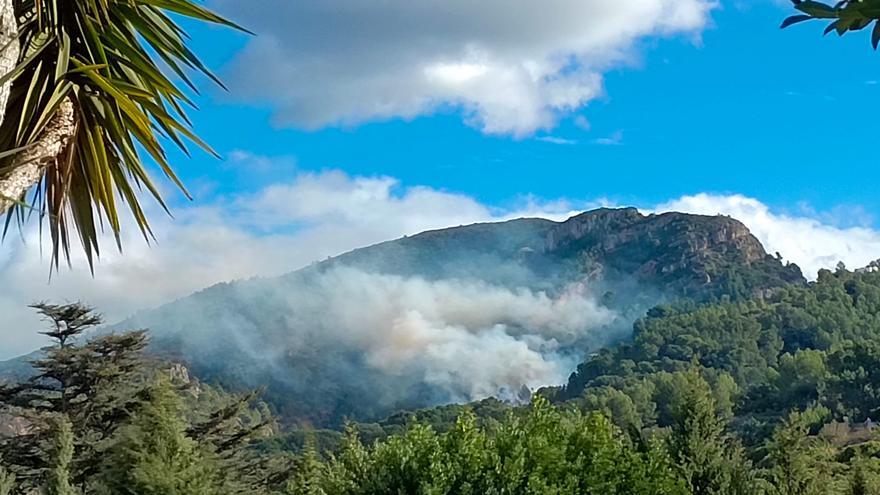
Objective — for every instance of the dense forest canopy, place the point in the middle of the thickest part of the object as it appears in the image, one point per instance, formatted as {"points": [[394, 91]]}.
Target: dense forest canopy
{"points": [[771, 395]]}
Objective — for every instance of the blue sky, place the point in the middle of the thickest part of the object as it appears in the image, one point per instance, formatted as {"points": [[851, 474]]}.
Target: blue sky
{"points": [[787, 117], [349, 123]]}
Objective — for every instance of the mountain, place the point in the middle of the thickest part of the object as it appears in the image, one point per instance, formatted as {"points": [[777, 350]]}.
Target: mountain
{"points": [[455, 314], [682, 255]]}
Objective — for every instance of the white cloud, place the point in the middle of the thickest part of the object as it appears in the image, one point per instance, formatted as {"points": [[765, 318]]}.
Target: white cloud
{"points": [[511, 66], [315, 215], [615, 139], [556, 140]]}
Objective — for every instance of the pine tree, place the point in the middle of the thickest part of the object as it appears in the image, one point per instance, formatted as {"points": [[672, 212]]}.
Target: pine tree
{"points": [[96, 385], [99, 386], [702, 450], [352, 465], [153, 455], [307, 478], [800, 464], [58, 482]]}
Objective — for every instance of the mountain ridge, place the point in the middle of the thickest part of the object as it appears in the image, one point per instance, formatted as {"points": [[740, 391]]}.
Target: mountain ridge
{"points": [[296, 335]]}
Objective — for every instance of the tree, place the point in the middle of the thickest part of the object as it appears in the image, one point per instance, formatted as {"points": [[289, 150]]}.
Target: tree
{"points": [[700, 446], [96, 385], [153, 455], [307, 477], [58, 482], [844, 16], [102, 385], [615, 404], [864, 479], [87, 91], [800, 463]]}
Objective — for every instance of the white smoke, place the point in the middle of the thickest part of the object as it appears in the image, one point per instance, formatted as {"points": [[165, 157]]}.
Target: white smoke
{"points": [[383, 340], [468, 338]]}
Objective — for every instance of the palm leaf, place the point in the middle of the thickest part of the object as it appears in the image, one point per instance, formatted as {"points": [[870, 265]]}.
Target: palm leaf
{"points": [[106, 56], [843, 16]]}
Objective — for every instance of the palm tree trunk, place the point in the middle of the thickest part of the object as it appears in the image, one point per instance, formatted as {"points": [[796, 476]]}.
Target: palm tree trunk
{"points": [[9, 49], [27, 167]]}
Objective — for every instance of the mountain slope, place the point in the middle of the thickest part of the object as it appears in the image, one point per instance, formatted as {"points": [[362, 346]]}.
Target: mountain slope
{"points": [[455, 314], [683, 255]]}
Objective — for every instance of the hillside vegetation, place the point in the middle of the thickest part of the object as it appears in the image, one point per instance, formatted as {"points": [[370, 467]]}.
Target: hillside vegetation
{"points": [[318, 338], [769, 389]]}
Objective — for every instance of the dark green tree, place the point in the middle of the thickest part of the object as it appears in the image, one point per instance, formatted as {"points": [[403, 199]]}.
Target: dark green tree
{"points": [[801, 464], [703, 451], [100, 385], [96, 385], [153, 456]]}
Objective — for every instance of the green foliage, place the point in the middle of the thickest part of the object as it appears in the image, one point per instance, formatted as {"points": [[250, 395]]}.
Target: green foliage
{"points": [[117, 404], [864, 477], [58, 482], [795, 348], [96, 385], [801, 464], [109, 57], [307, 474], [7, 482], [708, 461], [548, 450], [844, 16], [615, 404], [153, 456], [852, 385]]}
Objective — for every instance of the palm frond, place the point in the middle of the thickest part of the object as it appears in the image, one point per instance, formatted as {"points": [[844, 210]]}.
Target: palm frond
{"points": [[104, 56]]}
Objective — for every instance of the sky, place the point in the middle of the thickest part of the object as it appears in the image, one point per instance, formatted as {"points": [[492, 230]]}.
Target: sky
{"points": [[347, 123]]}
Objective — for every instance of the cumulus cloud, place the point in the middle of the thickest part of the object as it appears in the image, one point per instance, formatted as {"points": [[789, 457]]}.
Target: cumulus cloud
{"points": [[804, 240], [511, 67]]}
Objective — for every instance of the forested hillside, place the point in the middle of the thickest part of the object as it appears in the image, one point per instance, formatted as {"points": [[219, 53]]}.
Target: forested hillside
{"points": [[403, 324], [817, 345], [768, 388], [790, 378], [759, 397]]}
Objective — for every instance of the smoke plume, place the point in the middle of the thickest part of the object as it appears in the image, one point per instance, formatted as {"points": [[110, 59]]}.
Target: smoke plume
{"points": [[384, 341]]}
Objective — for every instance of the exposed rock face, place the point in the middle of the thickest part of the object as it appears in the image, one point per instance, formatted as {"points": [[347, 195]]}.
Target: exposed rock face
{"points": [[13, 426], [689, 255]]}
